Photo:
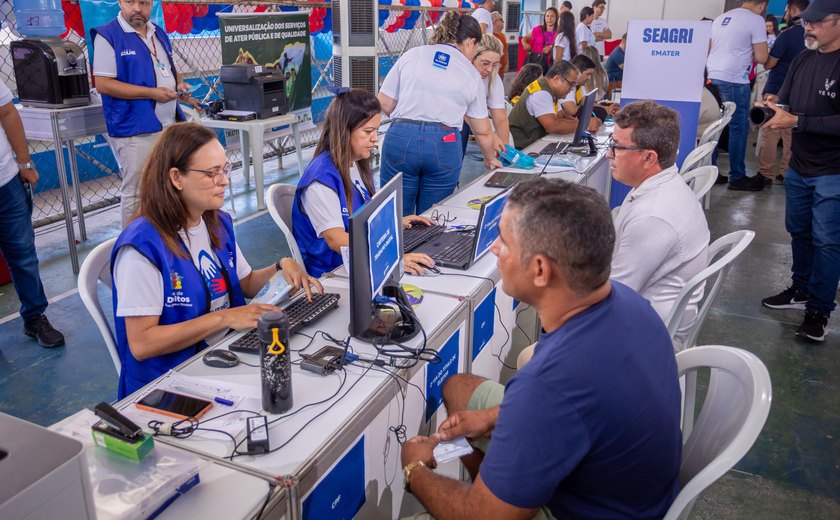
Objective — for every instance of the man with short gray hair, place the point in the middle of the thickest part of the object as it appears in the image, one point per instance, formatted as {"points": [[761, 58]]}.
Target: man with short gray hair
{"points": [[589, 428], [661, 231]]}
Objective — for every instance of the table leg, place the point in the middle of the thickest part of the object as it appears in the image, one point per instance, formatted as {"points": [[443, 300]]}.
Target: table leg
{"points": [[245, 146], [65, 196], [257, 156], [298, 147], [74, 177]]}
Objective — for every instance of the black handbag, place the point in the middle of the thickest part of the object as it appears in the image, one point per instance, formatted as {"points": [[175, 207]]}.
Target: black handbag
{"points": [[535, 57]]}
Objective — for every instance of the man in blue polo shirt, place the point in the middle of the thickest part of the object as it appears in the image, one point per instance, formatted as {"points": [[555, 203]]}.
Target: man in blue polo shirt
{"points": [[589, 427], [136, 76]]}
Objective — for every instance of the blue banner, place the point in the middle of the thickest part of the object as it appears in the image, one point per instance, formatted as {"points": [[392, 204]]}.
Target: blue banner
{"points": [[341, 494], [484, 321], [437, 373]]}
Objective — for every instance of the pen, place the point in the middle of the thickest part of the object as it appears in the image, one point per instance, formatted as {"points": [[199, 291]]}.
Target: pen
{"points": [[220, 400]]}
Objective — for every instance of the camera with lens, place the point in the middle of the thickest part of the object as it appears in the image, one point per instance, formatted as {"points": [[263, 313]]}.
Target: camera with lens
{"points": [[762, 114]]}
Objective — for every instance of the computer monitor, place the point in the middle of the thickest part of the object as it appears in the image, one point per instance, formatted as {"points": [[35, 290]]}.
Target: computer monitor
{"points": [[379, 308], [488, 229], [584, 116]]}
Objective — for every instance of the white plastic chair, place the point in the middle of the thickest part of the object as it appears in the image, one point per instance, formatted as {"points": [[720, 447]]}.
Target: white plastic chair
{"points": [[97, 268], [728, 110], [734, 412], [701, 180], [700, 156], [713, 131], [281, 198]]}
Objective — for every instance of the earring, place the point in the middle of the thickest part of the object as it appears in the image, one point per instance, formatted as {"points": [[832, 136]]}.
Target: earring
{"points": [[179, 188]]}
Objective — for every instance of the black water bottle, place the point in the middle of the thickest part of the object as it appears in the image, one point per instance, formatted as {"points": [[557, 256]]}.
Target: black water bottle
{"points": [[276, 373]]}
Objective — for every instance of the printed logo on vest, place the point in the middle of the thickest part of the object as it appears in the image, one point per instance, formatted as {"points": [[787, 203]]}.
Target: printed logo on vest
{"points": [[176, 278], [128, 52], [441, 60], [212, 275]]}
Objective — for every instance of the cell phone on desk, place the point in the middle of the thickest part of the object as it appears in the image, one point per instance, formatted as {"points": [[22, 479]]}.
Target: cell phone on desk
{"points": [[175, 405]]}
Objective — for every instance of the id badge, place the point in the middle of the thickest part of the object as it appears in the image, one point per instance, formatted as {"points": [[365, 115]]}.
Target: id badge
{"points": [[163, 70]]}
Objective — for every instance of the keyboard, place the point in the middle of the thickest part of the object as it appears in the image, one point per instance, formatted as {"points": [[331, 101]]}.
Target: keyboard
{"points": [[418, 234], [457, 253], [300, 312], [555, 147]]}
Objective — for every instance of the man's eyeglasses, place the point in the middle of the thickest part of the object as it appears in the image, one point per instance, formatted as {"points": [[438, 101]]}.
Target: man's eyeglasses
{"points": [[217, 174], [572, 83], [819, 23], [612, 147], [141, 3]]}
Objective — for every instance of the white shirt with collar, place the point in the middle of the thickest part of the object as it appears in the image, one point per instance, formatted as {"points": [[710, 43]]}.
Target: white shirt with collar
{"points": [[599, 25], [661, 242], [105, 64]]}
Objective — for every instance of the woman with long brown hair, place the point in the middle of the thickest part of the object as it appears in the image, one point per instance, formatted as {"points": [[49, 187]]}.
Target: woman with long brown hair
{"points": [[339, 181], [180, 280]]}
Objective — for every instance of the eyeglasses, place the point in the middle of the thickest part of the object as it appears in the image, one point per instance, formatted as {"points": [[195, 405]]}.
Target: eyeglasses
{"points": [[572, 83], [612, 147], [217, 174], [487, 63], [819, 23], [141, 3]]}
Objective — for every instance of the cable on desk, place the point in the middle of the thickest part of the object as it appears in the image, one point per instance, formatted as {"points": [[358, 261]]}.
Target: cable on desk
{"points": [[271, 486]]}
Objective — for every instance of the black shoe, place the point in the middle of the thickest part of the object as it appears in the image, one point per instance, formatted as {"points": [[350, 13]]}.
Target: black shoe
{"points": [[790, 298], [746, 184], [722, 179], [767, 181], [813, 326], [39, 328], [780, 179]]}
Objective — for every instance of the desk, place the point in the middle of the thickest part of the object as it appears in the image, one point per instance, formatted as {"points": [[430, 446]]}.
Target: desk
{"points": [[62, 126], [251, 138]]}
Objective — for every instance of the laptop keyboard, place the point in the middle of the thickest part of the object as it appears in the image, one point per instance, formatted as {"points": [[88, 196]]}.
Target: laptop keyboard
{"points": [[457, 253], [557, 146], [418, 234], [300, 312]]}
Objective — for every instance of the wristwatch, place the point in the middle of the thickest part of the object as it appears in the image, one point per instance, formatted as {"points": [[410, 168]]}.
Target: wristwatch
{"points": [[26, 166], [407, 473], [277, 266]]}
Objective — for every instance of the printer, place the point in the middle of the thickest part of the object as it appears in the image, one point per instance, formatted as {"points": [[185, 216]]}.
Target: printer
{"points": [[253, 88], [50, 73]]}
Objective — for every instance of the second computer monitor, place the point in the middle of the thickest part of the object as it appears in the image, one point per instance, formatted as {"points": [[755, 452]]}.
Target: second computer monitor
{"points": [[584, 116]]}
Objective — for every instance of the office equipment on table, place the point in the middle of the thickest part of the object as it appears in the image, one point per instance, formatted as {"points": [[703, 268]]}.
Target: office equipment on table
{"points": [[460, 250], [582, 136], [554, 147], [44, 475], [376, 259], [254, 88], [275, 362], [301, 313], [50, 73], [419, 234]]}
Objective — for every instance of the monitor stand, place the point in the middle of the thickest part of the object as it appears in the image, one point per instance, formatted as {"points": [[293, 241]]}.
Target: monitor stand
{"points": [[387, 324], [585, 139]]}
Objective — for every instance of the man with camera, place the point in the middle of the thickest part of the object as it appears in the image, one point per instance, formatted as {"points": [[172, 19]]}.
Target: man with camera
{"points": [[812, 182]]}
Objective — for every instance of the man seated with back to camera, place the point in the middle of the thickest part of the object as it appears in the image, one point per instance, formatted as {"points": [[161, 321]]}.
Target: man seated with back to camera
{"points": [[662, 236], [589, 428], [535, 114]]}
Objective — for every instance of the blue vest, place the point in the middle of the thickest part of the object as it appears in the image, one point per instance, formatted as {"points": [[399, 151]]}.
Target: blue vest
{"points": [[185, 296], [318, 258], [135, 65]]}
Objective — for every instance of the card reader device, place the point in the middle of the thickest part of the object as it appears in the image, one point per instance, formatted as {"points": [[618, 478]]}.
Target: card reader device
{"points": [[257, 435]]}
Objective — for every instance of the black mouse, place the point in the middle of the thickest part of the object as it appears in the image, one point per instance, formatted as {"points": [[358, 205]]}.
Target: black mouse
{"points": [[432, 269], [220, 358], [534, 154]]}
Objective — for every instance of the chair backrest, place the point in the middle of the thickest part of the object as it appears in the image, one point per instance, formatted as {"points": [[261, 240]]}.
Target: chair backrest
{"points": [[734, 412], [728, 110], [713, 131], [701, 180], [97, 268], [721, 253], [281, 198], [700, 156]]}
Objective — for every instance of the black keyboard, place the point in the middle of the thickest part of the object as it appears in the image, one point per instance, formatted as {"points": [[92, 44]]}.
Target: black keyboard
{"points": [[553, 148], [457, 253], [300, 312], [418, 234]]}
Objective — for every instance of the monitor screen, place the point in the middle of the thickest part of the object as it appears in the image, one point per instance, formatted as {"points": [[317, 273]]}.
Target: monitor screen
{"points": [[488, 225], [383, 242], [584, 116]]}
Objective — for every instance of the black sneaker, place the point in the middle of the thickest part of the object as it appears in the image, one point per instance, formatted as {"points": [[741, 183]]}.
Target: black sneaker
{"points": [[813, 326], [767, 181], [780, 179], [721, 179], [790, 298], [746, 184], [40, 328]]}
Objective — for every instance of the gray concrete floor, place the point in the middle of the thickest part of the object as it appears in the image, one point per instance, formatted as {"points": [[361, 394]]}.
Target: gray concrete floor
{"points": [[792, 472]]}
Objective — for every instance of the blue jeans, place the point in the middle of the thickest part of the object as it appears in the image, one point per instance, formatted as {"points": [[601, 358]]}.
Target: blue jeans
{"points": [[17, 242], [429, 157], [739, 127], [812, 217]]}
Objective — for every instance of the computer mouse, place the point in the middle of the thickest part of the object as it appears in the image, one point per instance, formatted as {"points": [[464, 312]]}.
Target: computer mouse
{"points": [[534, 154], [221, 358]]}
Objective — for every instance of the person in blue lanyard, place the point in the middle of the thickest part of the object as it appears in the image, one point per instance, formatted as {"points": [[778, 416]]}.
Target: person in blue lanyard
{"points": [[180, 280], [339, 181]]}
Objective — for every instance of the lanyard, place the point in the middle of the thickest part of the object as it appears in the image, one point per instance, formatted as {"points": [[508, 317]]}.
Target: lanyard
{"points": [[153, 49]]}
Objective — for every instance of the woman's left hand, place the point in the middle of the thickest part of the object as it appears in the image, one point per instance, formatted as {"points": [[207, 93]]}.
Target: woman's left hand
{"points": [[409, 221], [547, 49], [297, 278]]}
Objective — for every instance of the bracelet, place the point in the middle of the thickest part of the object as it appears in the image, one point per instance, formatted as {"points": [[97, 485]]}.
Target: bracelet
{"points": [[277, 266]]}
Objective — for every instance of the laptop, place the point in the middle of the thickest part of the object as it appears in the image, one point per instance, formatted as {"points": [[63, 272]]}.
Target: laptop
{"points": [[460, 250], [505, 178]]}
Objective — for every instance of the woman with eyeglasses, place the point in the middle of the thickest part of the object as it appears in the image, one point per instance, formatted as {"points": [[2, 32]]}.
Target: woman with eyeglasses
{"points": [[486, 61], [339, 181], [179, 278]]}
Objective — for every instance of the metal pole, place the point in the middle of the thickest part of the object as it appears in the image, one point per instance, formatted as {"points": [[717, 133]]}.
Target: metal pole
{"points": [[65, 196], [74, 176]]}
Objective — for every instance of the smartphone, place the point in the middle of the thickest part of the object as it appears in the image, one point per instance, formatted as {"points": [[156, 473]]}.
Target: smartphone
{"points": [[174, 405]]}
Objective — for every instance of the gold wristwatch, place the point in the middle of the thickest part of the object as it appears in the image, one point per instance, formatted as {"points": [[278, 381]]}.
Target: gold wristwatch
{"points": [[407, 473]]}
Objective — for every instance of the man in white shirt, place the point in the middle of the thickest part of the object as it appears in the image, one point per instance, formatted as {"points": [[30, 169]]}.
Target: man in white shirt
{"points": [[136, 76], [739, 37], [17, 238], [485, 19], [661, 232], [599, 26]]}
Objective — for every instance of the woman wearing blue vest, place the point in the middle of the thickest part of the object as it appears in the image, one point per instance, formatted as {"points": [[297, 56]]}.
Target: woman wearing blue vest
{"points": [[339, 181], [180, 280]]}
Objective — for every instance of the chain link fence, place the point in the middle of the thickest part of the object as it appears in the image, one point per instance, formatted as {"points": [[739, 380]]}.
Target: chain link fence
{"points": [[197, 54]]}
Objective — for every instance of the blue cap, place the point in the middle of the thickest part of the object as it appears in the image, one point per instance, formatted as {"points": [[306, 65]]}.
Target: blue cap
{"points": [[819, 9]]}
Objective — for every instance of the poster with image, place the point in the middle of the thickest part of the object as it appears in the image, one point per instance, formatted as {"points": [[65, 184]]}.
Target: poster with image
{"points": [[275, 41]]}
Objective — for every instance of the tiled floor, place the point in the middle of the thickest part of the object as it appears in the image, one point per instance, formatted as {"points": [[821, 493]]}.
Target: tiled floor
{"points": [[793, 471]]}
